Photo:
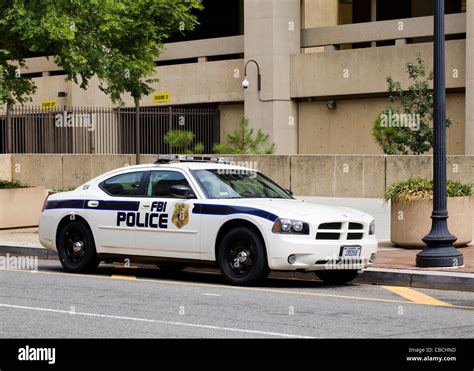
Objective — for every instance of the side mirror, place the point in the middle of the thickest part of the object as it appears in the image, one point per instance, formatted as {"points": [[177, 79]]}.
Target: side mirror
{"points": [[182, 191], [289, 191]]}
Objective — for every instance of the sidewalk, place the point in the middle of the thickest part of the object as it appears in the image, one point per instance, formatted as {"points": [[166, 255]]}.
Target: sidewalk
{"points": [[393, 266]]}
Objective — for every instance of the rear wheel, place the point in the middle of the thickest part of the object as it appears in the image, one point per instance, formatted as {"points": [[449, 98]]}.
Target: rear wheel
{"points": [[242, 258], [76, 248], [337, 277]]}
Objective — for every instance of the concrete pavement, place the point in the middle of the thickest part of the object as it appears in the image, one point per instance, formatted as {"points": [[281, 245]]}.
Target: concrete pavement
{"points": [[134, 302]]}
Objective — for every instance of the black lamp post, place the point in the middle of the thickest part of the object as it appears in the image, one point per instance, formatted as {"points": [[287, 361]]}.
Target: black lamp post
{"points": [[440, 251]]}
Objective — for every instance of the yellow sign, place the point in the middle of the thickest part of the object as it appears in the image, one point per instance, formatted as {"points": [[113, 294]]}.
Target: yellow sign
{"points": [[47, 104], [161, 97]]}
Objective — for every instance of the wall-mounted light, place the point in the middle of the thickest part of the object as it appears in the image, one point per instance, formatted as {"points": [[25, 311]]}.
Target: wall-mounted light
{"points": [[331, 104], [62, 94], [245, 83]]}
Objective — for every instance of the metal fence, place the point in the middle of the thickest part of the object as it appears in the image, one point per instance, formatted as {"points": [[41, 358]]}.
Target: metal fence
{"points": [[95, 130]]}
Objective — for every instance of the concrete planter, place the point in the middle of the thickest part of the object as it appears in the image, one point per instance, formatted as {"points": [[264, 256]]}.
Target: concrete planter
{"points": [[21, 207], [410, 222]]}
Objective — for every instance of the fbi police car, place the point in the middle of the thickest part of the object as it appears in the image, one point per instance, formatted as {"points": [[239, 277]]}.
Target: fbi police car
{"points": [[184, 211]]}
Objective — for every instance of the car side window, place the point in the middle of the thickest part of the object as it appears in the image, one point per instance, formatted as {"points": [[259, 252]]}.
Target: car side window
{"points": [[127, 184], [160, 183]]}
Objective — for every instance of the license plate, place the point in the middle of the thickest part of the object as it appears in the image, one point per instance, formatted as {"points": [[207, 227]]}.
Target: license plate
{"points": [[351, 251]]}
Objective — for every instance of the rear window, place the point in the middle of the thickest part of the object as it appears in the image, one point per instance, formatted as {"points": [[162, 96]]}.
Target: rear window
{"points": [[127, 184]]}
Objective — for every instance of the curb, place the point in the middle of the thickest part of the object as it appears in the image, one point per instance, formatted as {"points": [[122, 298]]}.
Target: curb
{"points": [[400, 277], [24, 250], [440, 280]]}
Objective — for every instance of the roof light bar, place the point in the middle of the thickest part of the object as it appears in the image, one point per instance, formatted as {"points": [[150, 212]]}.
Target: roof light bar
{"points": [[163, 159]]}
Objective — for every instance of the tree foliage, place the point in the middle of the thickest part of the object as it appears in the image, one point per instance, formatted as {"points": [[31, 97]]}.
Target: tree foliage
{"points": [[245, 140], [118, 41], [417, 100]]}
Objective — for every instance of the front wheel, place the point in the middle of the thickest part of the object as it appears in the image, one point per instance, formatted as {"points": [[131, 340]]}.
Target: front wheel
{"points": [[337, 277], [242, 258], [76, 248]]}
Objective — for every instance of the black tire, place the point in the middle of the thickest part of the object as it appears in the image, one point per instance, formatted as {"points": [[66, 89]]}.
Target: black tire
{"points": [[76, 248], [337, 277], [242, 257]]}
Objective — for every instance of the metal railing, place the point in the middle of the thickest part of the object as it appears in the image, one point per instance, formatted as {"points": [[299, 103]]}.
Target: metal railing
{"points": [[97, 130]]}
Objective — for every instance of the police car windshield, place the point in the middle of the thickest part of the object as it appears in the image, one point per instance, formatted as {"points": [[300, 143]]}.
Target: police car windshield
{"points": [[236, 183]]}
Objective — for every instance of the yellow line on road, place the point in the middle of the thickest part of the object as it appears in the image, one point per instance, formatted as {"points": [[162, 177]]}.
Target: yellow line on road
{"points": [[416, 296], [252, 289], [123, 277]]}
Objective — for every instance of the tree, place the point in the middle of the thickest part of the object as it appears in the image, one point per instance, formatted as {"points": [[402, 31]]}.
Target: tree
{"points": [[245, 140], [408, 127], [117, 41], [180, 141]]}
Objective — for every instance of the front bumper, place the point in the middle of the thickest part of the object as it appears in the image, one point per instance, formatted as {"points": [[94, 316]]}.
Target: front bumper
{"points": [[313, 255]]}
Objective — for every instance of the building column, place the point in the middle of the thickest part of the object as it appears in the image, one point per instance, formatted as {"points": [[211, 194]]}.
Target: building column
{"points": [[272, 35], [469, 123], [373, 18], [319, 13]]}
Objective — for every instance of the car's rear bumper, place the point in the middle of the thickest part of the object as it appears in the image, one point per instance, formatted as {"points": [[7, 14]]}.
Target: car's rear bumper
{"points": [[47, 232]]}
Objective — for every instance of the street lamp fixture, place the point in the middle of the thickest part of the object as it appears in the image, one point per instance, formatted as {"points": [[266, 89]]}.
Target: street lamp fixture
{"points": [[245, 83], [439, 251]]}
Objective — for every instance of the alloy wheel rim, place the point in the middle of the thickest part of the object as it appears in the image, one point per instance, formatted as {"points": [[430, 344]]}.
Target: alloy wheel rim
{"points": [[75, 246], [240, 258]]}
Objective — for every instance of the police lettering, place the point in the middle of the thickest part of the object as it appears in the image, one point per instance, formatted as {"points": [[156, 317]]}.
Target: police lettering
{"points": [[142, 220], [159, 206]]}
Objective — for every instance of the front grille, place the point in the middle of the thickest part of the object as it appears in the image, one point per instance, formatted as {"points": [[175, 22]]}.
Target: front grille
{"points": [[355, 236], [341, 231], [330, 226], [327, 236]]}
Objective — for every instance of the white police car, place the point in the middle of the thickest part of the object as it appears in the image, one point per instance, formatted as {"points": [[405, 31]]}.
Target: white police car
{"points": [[187, 211]]}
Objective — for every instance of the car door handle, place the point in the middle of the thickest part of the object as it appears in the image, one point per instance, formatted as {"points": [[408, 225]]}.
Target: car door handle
{"points": [[145, 206], [93, 204]]}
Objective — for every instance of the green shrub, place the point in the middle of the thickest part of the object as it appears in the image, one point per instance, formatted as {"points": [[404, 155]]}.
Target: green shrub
{"points": [[181, 140], [245, 141], [63, 189], [412, 190], [414, 103], [7, 184]]}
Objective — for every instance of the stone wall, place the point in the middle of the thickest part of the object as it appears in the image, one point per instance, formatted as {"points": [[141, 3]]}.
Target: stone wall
{"points": [[309, 175]]}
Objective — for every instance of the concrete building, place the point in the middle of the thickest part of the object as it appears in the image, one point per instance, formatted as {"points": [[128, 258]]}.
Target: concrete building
{"points": [[323, 65]]}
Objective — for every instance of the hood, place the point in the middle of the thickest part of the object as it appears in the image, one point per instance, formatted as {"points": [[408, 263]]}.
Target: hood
{"points": [[299, 209]]}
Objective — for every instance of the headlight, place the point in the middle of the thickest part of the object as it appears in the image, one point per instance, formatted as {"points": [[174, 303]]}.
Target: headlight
{"points": [[289, 226], [372, 227]]}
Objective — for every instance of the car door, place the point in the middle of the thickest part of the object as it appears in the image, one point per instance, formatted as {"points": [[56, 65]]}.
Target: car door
{"points": [[168, 228], [113, 214]]}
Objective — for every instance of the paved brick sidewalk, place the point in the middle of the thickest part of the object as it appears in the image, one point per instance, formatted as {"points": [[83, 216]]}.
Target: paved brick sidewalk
{"points": [[396, 258]]}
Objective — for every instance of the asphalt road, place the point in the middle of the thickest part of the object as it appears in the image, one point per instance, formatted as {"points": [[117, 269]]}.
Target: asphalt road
{"points": [[137, 302]]}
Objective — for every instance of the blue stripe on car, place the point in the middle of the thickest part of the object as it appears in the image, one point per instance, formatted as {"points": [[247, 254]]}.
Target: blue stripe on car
{"points": [[229, 209], [103, 205]]}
